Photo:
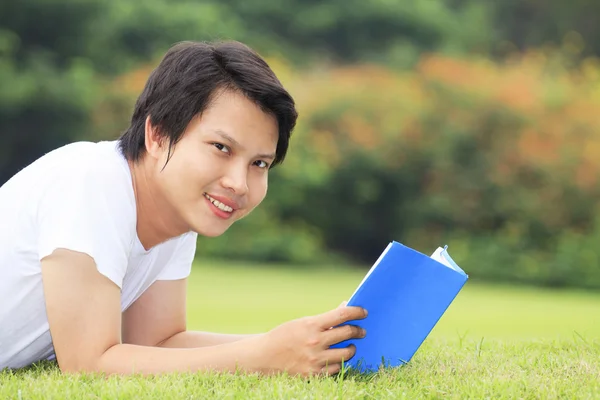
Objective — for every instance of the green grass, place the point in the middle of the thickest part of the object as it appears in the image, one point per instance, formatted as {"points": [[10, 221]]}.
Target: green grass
{"points": [[493, 342]]}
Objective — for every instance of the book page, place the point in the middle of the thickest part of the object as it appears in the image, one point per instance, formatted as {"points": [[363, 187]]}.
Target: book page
{"points": [[438, 255]]}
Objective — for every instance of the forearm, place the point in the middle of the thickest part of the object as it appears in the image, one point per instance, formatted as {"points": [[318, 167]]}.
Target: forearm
{"points": [[190, 339], [125, 359]]}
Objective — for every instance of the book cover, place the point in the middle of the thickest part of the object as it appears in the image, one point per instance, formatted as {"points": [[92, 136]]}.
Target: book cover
{"points": [[406, 293]]}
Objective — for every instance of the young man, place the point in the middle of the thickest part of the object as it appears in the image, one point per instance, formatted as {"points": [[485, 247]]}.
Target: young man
{"points": [[97, 239]]}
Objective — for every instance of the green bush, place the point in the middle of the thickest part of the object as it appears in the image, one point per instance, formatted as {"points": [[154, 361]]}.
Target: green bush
{"points": [[500, 161]]}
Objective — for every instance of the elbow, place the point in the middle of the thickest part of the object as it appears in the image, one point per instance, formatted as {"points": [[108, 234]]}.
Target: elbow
{"points": [[84, 364], [79, 367]]}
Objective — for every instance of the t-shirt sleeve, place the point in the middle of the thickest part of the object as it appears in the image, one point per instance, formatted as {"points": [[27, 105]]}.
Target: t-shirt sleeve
{"points": [[180, 264], [92, 211]]}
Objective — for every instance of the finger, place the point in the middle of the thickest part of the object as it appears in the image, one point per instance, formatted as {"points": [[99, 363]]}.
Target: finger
{"points": [[331, 369], [340, 315], [340, 333], [337, 356], [342, 304]]}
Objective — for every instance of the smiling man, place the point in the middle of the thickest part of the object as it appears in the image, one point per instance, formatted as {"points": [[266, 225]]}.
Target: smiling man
{"points": [[97, 239]]}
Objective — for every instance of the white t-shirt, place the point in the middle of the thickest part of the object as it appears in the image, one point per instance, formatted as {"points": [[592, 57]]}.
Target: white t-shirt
{"points": [[79, 197]]}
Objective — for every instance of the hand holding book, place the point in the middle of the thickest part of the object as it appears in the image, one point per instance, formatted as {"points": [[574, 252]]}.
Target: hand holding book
{"points": [[406, 293], [303, 346]]}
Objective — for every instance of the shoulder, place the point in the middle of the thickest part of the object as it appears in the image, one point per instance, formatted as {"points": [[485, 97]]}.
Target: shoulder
{"points": [[87, 188], [87, 205], [101, 162], [89, 176]]}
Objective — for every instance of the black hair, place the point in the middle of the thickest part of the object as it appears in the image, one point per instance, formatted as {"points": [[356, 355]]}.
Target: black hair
{"points": [[183, 86]]}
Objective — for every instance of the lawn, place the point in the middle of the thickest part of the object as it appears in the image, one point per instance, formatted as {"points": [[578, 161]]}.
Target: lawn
{"points": [[495, 341]]}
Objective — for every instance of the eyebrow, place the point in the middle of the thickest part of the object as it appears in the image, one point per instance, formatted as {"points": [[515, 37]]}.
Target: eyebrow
{"points": [[226, 136]]}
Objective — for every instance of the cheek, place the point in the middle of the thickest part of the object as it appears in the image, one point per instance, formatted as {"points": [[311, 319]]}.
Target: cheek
{"points": [[256, 194], [178, 180], [169, 185], [258, 191]]}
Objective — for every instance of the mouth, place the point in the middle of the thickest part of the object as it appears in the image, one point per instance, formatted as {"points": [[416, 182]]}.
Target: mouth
{"points": [[223, 208]]}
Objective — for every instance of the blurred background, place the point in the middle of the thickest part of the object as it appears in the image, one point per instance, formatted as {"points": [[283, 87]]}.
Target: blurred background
{"points": [[469, 123]]}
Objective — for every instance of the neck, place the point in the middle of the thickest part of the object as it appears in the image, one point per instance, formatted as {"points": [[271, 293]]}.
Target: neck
{"points": [[155, 218]]}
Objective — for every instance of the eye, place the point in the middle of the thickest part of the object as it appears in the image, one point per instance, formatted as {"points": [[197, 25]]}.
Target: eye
{"points": [[221, 147], [261, 164]]}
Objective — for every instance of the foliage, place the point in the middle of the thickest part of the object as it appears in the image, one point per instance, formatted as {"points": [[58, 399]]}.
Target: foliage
{"points": [[526, 24], [55, 58], [45, 99], [501, 161], [352, 30], [417, 140]]}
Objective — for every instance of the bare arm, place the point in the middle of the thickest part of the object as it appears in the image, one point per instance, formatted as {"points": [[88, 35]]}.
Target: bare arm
{"points": [[84, 314], [158, 318], [189, 339]]}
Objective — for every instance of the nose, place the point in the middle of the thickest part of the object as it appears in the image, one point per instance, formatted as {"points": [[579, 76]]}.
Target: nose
{"points": [[236, 179]]}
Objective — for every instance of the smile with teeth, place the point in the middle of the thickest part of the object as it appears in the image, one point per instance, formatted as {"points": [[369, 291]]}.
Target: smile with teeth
{"points": [[218, 204]]}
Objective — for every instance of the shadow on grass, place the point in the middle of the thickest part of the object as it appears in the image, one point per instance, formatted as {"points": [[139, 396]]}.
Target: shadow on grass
{"points": [[348, 373], [38, 368]]}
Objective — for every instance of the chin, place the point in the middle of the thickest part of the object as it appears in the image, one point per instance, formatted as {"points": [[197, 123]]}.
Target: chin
{"points": [[213, 234], [214, 231]]}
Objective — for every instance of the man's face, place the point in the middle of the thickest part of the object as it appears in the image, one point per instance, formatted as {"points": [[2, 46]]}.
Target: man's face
{"points": [[218, 171]]}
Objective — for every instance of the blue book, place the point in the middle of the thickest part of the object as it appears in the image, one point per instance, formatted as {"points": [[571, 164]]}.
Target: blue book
{"points": [[406, 293]]}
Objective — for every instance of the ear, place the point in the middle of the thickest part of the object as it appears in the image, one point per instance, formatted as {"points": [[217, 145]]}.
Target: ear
{"points": [[154, 142]]}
